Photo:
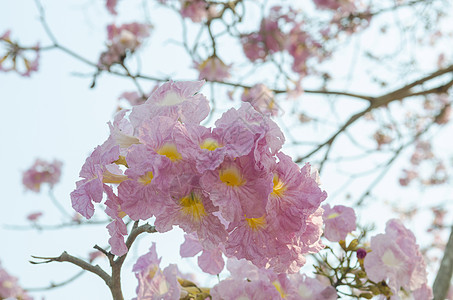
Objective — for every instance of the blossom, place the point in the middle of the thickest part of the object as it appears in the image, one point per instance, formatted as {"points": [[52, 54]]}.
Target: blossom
{"points": [[197, 10], [192, 210], [210, 260], [178, 100], [142, 195], [213, 69], [95, 174], [42, 172], [154, 283], [238, 189], [15, 58], [311, 288], [121, 40], [261, 98], [396, 259], [339, 221], [9, 287], [111, 6]]}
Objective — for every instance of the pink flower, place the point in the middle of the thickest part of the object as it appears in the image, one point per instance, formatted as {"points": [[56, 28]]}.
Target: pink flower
{"points": [[96, 174], [213, 69], [207, 149], [233, 289], [177, 100], [117, 228], [210, 260], [153, 283], [294, 197], [339, 221], [111, 6], [261, 98], [311, 288], [122, 40], [34, 216], [197, 10], [42, 172], [238, 189], [396, 259], [142, 195], [191, 209], [15, 58], [9, 288]]}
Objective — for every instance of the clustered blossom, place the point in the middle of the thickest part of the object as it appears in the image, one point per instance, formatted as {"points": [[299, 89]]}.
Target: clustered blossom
{"points": [[9, 287], [261, 98], [121, 41], [197, 10], [15, 59], [339, 221], [42, 172], [153, 282], [250, 282], [270, 39], [229, 187], [213, 69], [395, 258]]}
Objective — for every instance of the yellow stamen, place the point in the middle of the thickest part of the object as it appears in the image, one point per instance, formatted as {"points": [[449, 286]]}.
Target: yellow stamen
{"points": [[333, 215], [192, 206], [146, 179], [256, 223], [170, 151], [231, 176], [279, 288], [210, 144], [279, 186], [121, 161]]}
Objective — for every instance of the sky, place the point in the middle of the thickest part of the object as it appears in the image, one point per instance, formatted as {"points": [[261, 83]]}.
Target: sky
{"points": [[55, 115]]}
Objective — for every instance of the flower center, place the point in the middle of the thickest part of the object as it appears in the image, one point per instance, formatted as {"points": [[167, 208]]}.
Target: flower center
{"points": [[170, 151], [279, 288], [256, 223], [146, 179], [333, 215], [170, 99], [231, 176], [192, 206], [279, 186], [389, 259], [210, 144]]}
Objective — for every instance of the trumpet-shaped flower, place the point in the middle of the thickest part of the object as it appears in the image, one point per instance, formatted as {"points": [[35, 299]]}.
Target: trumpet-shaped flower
{"points": [[339, 221], [396, 259]]}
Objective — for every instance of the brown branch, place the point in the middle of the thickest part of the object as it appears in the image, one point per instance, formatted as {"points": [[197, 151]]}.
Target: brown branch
{"points": [[65, 257], [443, 277]]}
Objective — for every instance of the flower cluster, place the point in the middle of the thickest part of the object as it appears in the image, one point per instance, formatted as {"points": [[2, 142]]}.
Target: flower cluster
{"points": [[395, 258], [271, 38], [229, 186], [15, 58], [249, 282], [9, 288], [121, 41], [344, 5], [42, 172]]}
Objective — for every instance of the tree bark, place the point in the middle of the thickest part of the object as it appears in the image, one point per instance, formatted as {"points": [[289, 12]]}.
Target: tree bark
{"points": [[443, 278]]}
